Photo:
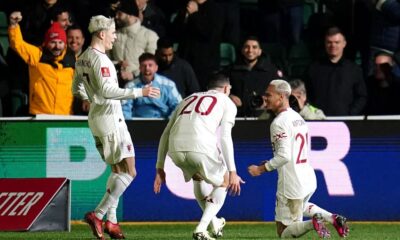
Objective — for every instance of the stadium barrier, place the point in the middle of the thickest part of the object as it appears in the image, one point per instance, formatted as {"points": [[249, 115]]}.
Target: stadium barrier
{"points": [[356, 163]]}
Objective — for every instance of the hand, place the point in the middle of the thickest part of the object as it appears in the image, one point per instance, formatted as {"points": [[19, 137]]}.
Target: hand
{"points": [[159, 180], [15, 18], [255, 170], [123, 64], [152, 92], [126, 75], [85, 105], [236, 100], [114, 6], [192, 7], [234, 184]]}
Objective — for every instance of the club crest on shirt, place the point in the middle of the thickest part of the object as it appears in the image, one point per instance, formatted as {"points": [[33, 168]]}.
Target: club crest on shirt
{"points": [[280, 136], [129, 148], [105, 72]]}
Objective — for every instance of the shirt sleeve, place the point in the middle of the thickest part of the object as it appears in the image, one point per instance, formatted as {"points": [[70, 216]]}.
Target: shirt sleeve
{"points": [[109, 90], [164, 142], [152, 42], [78, 89], [29, 53], [280, 138], [227, 124]]}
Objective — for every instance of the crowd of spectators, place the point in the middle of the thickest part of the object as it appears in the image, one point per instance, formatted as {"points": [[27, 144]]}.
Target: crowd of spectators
{"points": [[345, 53]]}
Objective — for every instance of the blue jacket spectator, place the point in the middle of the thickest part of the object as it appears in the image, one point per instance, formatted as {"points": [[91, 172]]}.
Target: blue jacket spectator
{"points": [[161, 107]]}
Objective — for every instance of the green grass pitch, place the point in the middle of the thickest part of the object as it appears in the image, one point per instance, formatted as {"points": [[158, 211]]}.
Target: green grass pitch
{"points": [[233, 230]]}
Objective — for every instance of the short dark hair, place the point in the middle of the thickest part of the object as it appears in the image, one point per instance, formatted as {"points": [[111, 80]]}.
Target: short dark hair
{"points": [[164, 43], [251, 38], [333, 31], [147, 56], [74, 27], [58, 10], [217, 80]]}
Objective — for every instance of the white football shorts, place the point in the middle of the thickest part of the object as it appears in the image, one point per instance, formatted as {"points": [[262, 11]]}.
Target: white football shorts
{"points": [[115, 146], [211, 167], [288, 211]]}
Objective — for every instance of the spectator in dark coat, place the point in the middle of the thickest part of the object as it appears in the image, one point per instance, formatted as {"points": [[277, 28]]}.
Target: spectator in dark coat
{"points": [[249, 77], [175, 68], [282, 20], [383, 87], [152, 17], [336, 84], [198, 30]]}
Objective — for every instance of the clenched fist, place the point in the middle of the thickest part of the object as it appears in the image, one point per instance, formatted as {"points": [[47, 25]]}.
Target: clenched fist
{"points": [[15, 18]]}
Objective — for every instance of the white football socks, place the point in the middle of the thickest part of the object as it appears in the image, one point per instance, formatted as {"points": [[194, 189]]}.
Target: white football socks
{"points": [[201, 190], [297, 229], [311, 209], [212, 206], [118, 185], [112, 211]]}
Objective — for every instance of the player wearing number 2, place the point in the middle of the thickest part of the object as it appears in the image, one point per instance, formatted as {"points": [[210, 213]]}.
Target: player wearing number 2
{"points": [[296, 177], [190, 139], [96, 81]]}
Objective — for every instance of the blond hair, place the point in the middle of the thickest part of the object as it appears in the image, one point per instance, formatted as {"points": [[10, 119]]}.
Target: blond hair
{"points": [[99, 23], [282, 86]]}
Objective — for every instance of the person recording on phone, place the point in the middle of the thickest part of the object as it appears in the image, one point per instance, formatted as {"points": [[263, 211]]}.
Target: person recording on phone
{"points": [[249, 76], [161, 107]]}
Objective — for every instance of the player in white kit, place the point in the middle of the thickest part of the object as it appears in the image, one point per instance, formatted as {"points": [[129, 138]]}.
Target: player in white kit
{"points": [[96, 81], [296, 177], [190, 139]]}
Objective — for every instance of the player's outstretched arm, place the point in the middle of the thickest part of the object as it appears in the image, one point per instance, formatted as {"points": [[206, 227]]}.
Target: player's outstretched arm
{"points": [[234, 183], [159, 180]]}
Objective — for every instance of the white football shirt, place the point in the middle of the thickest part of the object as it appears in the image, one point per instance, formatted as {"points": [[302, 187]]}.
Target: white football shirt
{"points": [[289, 138], [194, 124], [96, 80]]}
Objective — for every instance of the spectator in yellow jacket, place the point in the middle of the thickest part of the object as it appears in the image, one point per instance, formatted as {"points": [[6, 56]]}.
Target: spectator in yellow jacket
{"points": [[51, 68]]}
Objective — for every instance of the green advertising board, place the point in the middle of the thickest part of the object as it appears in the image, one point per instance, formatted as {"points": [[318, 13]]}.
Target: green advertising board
{"points": [[39, 149]]}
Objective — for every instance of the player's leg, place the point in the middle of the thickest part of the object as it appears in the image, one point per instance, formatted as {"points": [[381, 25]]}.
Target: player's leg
{"points": [[338, 221], [212, 170], [201, 191], [95, 221], [213, 204], [289, 218], [112, 211], [117, 150], [125, 172], [310, 209]]}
